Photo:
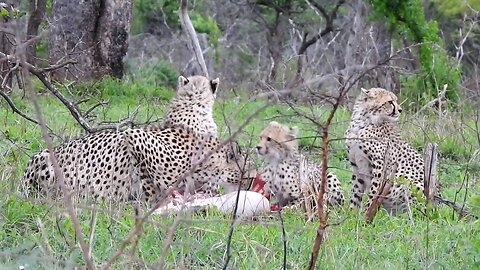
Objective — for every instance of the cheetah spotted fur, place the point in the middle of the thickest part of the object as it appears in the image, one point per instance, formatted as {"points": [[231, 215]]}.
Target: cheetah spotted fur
{"points": [[377, 152], [287, 173]]}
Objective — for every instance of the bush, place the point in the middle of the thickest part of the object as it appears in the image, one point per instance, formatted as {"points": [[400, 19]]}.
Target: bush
{"points": [[407, 17], [155, 72]]}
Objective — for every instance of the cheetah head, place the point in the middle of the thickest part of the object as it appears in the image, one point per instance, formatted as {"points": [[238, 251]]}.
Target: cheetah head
{"points": [[197, 88], [379, 105], [277, 141]]}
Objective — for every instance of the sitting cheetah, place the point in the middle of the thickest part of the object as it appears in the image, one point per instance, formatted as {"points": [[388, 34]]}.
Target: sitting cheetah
{"points": [[288, 175], [193, 105], [377, 151], [144, 162]]}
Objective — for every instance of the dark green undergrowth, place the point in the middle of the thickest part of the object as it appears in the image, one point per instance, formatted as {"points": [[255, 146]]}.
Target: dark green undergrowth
{"points": [[41, 235]]}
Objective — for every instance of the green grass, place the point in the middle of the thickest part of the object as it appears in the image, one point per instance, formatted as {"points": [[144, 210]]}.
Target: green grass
{"points": [[42, 236]]}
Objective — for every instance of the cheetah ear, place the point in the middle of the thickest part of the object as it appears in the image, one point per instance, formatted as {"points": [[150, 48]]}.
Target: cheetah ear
{"points": [[365, 91], [182, 81], [214, 85], [293, 132], [274, 124]]}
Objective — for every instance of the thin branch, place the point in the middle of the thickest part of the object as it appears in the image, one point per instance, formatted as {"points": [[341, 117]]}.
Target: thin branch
{"points": [[93, 224], [350, 82], [135, 232], [284, 240], [60, 65], [320, 202], [166, 247], [101, 103], [70, 106], [384, 187], [430, 172], [16, 110], [39, 73], [437, 100], [67, 199], [383, 191], [462, 212]]}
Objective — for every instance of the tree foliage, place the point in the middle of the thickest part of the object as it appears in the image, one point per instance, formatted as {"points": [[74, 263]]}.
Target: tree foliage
{"points": [[456, 7], [147, 13], [406, 17]]}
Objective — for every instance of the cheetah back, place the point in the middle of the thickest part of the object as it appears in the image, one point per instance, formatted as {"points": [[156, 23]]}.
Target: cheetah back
{"points": [[97, 165]]}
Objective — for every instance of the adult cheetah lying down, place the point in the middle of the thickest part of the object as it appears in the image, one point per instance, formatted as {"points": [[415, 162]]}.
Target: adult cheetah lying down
{"points": [[377, 152], [288, 175], [142, 163]]}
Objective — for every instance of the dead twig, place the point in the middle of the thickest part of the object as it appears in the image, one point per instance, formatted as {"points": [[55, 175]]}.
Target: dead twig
{"points": [[93, 224], [431, 103], [430, 172], [119, 124], [384, 187], [57, 66], [320, 202], [462, 212], [100, 103], [349, 83], [431, 183], [372, 210]]}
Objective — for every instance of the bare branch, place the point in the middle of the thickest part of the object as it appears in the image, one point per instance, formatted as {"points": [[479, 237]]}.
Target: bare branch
{"points": [[57, 66], [190, 31], [16, 110], [284, 240], [67, 199], [39, 73], [383, 191]]}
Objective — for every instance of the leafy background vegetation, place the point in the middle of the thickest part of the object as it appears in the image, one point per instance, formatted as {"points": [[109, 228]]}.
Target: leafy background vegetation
{"points": [[40, 235]]}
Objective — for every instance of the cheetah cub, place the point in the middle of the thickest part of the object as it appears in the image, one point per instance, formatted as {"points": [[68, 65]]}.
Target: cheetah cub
{"points": [[377, 152], [288, 175]]}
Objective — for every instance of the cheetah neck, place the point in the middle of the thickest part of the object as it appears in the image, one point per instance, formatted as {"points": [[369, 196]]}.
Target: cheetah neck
{"points": [[359, 121], [282, 158], [192, 114]]}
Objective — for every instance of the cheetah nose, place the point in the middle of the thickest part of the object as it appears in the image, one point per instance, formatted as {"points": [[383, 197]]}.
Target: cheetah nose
{"points": [[400, 110], [258, 148]]}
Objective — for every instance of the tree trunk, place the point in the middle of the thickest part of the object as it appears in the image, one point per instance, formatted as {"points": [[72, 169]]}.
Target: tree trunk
{"points": [[92, 32], [276, 39], [385, 76], [112, 34], [356, 39], [37, 10], [6, 46]]}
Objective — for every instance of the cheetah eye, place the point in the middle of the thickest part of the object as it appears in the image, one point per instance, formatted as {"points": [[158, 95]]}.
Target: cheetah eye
{"points": [[269, 139]]}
